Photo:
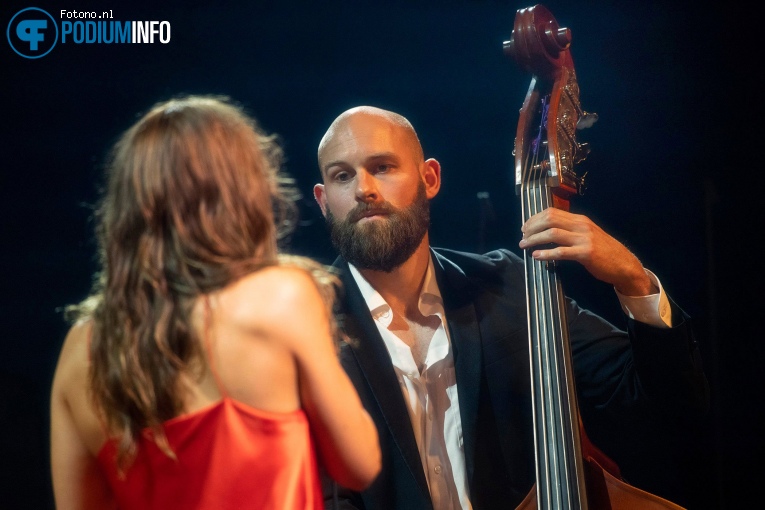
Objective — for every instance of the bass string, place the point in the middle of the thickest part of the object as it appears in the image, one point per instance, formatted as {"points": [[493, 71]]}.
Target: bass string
{"points": [[542, 300]]}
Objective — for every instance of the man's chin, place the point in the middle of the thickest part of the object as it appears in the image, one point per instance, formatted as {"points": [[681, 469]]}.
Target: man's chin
{"points": [[382, 266], [372, 226]]}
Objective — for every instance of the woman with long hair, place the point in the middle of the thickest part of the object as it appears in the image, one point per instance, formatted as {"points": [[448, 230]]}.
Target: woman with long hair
{"points": [[202, 370]]}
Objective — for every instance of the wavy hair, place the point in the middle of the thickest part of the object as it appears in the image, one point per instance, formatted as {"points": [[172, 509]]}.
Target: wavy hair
{"points": [[194, 200]]}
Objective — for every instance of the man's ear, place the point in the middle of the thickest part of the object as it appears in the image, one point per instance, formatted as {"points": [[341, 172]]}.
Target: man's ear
{"points": [[321, 198], [431, 176]]}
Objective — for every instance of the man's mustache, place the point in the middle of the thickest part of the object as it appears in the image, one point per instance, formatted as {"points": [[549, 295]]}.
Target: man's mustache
{"points": [[369, 209]]}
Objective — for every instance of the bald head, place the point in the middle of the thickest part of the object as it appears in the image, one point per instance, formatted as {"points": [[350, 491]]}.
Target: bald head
{"points": [[367, 123]]}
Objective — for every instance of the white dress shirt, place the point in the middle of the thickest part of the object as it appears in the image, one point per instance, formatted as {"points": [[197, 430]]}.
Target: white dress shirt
{"points": [[431, 395]]}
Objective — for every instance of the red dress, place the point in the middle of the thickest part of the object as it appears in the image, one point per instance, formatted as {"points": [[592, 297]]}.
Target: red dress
{"points": [[229, 456]]}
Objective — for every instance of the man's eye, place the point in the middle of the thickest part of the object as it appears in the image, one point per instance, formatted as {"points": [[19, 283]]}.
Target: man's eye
{"points": [[383, 168], [342, 176]]}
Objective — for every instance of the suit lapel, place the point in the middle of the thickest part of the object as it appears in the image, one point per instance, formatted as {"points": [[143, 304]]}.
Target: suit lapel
{"points": [[466, 343], [374, 360]]}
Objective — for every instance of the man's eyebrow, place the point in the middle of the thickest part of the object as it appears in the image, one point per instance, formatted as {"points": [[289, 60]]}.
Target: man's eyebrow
{"points": [[382, 155], [325, 168], [372, 157]]}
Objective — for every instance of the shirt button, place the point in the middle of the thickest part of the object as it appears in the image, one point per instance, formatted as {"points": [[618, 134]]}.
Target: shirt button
{"points": [[437, 469]]}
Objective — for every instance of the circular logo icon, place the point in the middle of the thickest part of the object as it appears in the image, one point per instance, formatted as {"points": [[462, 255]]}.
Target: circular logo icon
{"points": [[32, 32]]}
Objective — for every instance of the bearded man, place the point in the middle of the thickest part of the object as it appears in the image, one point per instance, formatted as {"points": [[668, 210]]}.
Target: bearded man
{"points": [[437, 339]]}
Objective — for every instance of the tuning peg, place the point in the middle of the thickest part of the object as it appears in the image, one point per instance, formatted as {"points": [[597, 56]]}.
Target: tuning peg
{"points": [[581, 185], [586, 120], [581, 152]]}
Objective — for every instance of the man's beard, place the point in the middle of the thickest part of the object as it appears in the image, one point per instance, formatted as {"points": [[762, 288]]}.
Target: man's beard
{"points": [[381, 244]]}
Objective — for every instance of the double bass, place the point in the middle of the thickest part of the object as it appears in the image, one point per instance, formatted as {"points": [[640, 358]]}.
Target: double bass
{"points": [[571, 472]]}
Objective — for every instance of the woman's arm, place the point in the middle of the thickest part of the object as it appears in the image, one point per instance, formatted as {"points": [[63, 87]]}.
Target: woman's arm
{"points": [[77, 479], [346, 435]]}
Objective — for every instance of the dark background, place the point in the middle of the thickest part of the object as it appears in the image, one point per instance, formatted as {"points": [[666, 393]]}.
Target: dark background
{"points": [[674, 172]]}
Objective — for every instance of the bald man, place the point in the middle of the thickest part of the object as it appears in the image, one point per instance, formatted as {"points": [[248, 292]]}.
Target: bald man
{"points": [[438, 345]]}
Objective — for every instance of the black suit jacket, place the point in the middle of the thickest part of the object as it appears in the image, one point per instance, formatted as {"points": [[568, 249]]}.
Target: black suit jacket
{"points": [[619, 376]]}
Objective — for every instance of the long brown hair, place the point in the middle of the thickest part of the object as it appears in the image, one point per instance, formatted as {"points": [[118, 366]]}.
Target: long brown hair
{"points": [[194, 200]]}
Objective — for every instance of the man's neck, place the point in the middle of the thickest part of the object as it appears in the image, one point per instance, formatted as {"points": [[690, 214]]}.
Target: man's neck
{"points": [[401, 287]]}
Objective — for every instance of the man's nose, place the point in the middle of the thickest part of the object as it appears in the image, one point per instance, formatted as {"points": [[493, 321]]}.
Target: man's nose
{"points": [[366, 186]]}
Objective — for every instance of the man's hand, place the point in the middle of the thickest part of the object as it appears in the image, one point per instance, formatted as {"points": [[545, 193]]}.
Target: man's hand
{"points": [[576, 237]]}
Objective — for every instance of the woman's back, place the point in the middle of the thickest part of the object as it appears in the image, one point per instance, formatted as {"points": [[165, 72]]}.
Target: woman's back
{"points": [[243, 439]]}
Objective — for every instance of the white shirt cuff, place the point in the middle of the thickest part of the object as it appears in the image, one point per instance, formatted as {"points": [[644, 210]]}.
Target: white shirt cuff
{"points": [[652, 309]]}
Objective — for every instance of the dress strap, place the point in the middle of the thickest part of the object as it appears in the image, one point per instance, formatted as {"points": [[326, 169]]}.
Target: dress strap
{"points": [[207, 339]]}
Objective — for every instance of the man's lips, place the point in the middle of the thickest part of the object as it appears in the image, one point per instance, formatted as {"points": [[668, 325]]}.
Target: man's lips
{"points": [[369, 213]]}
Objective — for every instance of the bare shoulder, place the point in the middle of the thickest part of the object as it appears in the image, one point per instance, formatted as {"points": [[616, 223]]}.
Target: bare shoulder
{"points": [[272, 297], [286, 284], [74, 357]]}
